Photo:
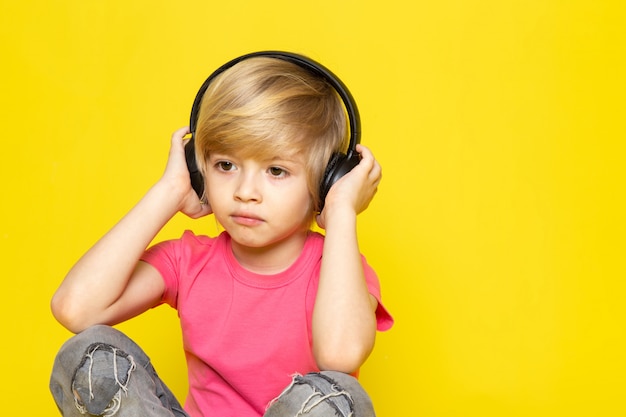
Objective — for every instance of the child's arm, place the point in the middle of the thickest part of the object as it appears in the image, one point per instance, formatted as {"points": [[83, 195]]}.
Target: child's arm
{"points": [[344, 320], [108, 284]]}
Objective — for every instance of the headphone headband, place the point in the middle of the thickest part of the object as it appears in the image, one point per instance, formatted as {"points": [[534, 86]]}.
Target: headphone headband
{"points": [[314, 67]]}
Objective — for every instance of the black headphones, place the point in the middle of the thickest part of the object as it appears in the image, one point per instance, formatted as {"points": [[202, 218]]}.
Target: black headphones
{"points": [[338, 166]]}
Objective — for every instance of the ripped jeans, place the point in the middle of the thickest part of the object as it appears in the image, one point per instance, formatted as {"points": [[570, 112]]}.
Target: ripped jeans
{"points": [[102, 372]]}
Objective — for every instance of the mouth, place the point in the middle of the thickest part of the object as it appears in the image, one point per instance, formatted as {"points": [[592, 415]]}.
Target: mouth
{"points": [[246, 219]]}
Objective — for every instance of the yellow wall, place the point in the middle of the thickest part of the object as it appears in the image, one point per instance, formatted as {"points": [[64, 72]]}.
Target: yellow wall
{"points": [[498, 231]]}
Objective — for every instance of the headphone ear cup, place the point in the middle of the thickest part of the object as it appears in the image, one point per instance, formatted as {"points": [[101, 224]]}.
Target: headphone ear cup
{"points": [[338, 166], [197, 181]]}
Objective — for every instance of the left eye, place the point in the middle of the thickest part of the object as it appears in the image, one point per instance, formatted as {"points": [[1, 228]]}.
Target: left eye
{"points": [[276, 171]]}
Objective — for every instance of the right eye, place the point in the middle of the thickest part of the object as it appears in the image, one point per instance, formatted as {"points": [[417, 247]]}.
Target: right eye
{"points": [[225, 165]]}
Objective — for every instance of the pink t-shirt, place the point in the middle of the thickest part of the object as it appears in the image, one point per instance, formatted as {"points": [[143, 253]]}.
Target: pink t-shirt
{"points": [[244, 334]]}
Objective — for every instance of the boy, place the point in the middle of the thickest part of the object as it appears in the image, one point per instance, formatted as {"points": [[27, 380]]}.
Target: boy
{"points": [[265, 300]]}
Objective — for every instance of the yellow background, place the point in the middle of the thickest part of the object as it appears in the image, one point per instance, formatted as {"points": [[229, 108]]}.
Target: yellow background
{"points": [[498, 230]]}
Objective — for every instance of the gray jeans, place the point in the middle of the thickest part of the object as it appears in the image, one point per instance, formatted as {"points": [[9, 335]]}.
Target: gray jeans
{"points": [[102, 372]]}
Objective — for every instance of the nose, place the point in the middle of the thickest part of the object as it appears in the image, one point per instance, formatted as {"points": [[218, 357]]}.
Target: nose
{"points": [[248, 188]]}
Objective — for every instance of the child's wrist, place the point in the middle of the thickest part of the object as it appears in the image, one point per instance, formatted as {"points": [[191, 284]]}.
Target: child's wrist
{"points": [[167, 193], [339, 215]]}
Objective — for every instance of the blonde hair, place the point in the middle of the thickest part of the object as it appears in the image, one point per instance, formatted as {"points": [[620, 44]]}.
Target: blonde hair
{"points": [[266, 107]]}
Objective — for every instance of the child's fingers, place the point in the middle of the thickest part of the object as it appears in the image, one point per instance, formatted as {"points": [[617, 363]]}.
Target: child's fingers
{"points": [[179, 136], [370, 164]]}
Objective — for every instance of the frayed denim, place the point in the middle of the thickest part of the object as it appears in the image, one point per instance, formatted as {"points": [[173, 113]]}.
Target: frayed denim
{"points": [[102, 372], [322, 394]]}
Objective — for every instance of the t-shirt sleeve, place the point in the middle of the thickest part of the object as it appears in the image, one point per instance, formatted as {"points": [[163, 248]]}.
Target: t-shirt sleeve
{"points": [[384, 320], [179, 261], [165, 257]]}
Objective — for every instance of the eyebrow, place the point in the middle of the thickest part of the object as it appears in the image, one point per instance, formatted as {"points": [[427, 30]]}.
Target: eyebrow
{"points": [[289, 158], [293, 157]]}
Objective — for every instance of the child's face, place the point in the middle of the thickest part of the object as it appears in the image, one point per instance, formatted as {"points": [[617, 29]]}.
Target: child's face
{"points": [[259, 202]]}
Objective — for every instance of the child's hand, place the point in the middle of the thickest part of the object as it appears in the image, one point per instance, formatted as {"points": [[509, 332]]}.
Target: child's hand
{"points": [[177, 174], [354, 191]]}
